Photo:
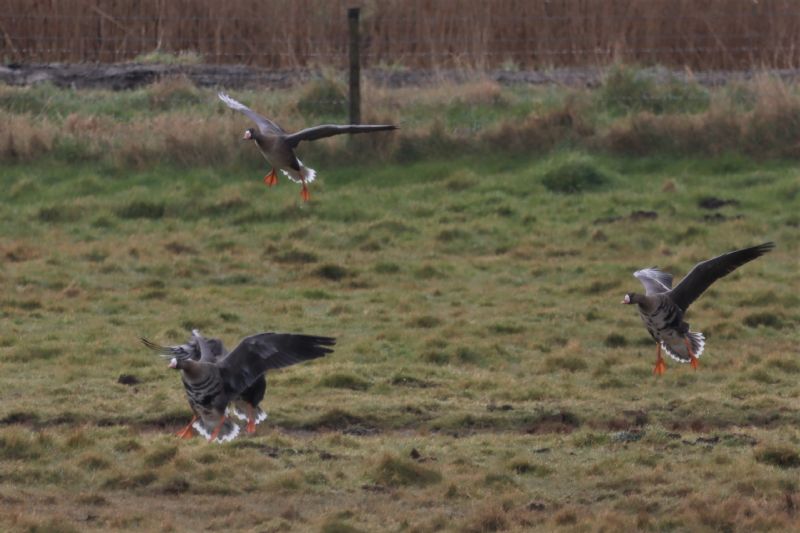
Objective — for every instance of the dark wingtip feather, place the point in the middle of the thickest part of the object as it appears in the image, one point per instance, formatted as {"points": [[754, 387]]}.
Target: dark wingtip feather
{"points": [[150, 344], [766, 247], [161, 350]]}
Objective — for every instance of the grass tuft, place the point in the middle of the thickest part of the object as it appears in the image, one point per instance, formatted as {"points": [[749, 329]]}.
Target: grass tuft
{"points": [[332, 272], [766, 319], [142, 209], [615, 340], [161, 455], [570, 363], [574, 177], [394, 471], [343, 380], [780, 456]]}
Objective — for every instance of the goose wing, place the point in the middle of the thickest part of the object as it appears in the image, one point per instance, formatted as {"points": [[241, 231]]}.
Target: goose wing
{"points": [[654, 280], [707, 272], [265, 125], [329, 130], [265, 351]]}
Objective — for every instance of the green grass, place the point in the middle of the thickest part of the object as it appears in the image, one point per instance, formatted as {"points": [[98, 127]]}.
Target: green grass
{"points": [[485, 376]]}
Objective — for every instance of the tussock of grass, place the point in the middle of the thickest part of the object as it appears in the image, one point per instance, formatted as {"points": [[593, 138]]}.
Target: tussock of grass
{"points": [[570, 363], [780, 456], [160, 456], [343, 380], [295, 256], [323, 97], [487, 518], [767, 319], [19, 444], [394, 471], [142, 209], [338, 526], [573, 177], [615, 340], [61, 213], [332, 272]]}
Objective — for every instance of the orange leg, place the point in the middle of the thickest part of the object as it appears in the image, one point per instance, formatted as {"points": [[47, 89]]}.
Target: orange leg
{"points": [[304, 193], [186, 433], [660, 366], [251, 421], [694, 362], [215, 434], [271, 179]]}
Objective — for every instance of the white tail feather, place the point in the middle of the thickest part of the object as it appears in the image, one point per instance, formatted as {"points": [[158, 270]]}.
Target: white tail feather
{"points": [[228, 432], [677, 350], [304, 174]]}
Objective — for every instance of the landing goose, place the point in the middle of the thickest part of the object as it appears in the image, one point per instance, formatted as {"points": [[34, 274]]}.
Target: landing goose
{"points": [[662, 307], [277, 146], [211, 383], [249, 400]]}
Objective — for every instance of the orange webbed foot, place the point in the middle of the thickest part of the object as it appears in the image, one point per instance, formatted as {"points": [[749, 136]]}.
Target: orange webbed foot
{"points": [[271, 179], [695, 363], [186, 433], [660, 366], [251, 421], [304, 193], [215, 434]]}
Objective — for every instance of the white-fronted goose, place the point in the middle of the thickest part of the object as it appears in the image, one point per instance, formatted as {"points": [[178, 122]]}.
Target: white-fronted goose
{"points": [[250, 399], [277, 146], [211, 384], [662, 307]]}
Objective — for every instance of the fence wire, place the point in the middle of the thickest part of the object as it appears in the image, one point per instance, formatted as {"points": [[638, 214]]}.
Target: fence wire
{"points": [[524, 34]]}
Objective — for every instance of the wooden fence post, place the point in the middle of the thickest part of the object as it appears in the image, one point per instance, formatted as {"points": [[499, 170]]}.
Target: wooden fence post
{"points": [[355, 66]]}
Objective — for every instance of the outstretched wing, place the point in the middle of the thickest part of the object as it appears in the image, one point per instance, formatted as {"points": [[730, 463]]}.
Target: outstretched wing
{"points": [[258, 353], [265, 125], [190, 350], [704, 274], [182, 351], [654, 280], [206, 355], [329, 130]]}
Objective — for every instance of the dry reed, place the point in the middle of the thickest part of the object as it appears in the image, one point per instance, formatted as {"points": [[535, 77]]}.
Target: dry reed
{"points": [[707, 34]]}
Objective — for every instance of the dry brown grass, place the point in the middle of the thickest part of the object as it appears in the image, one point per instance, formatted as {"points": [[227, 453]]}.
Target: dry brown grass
{"points": [[174, 122], [712, 34]]}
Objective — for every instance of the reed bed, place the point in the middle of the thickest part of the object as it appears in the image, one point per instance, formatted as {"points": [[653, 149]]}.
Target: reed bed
{"points": [[707, 34]]}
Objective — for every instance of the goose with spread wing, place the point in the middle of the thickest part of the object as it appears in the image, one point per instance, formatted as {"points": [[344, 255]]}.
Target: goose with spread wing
{"points": [[212, 383], [662, 308], [277, 146], [246, 407]]}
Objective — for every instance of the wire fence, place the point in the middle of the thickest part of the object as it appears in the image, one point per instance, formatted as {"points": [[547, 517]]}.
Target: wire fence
{"points": [[511, 34]]}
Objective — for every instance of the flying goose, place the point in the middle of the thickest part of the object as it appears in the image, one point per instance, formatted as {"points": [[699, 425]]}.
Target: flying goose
{"points": [[277, 146], [662, 307], [249, 400], [211, 383]]}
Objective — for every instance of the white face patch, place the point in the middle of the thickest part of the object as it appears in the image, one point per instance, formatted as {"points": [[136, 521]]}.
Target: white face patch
{"points": [[173, 363], [626, 299], [247, 135]]}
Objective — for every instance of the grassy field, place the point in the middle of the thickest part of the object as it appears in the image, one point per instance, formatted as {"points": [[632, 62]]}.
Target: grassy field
{"points": [[486, 377]]}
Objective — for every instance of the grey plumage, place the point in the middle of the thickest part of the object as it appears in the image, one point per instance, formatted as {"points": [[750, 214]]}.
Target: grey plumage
{"points": [[247, 407], [662, 307], [215, 379], [277, 146]]}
